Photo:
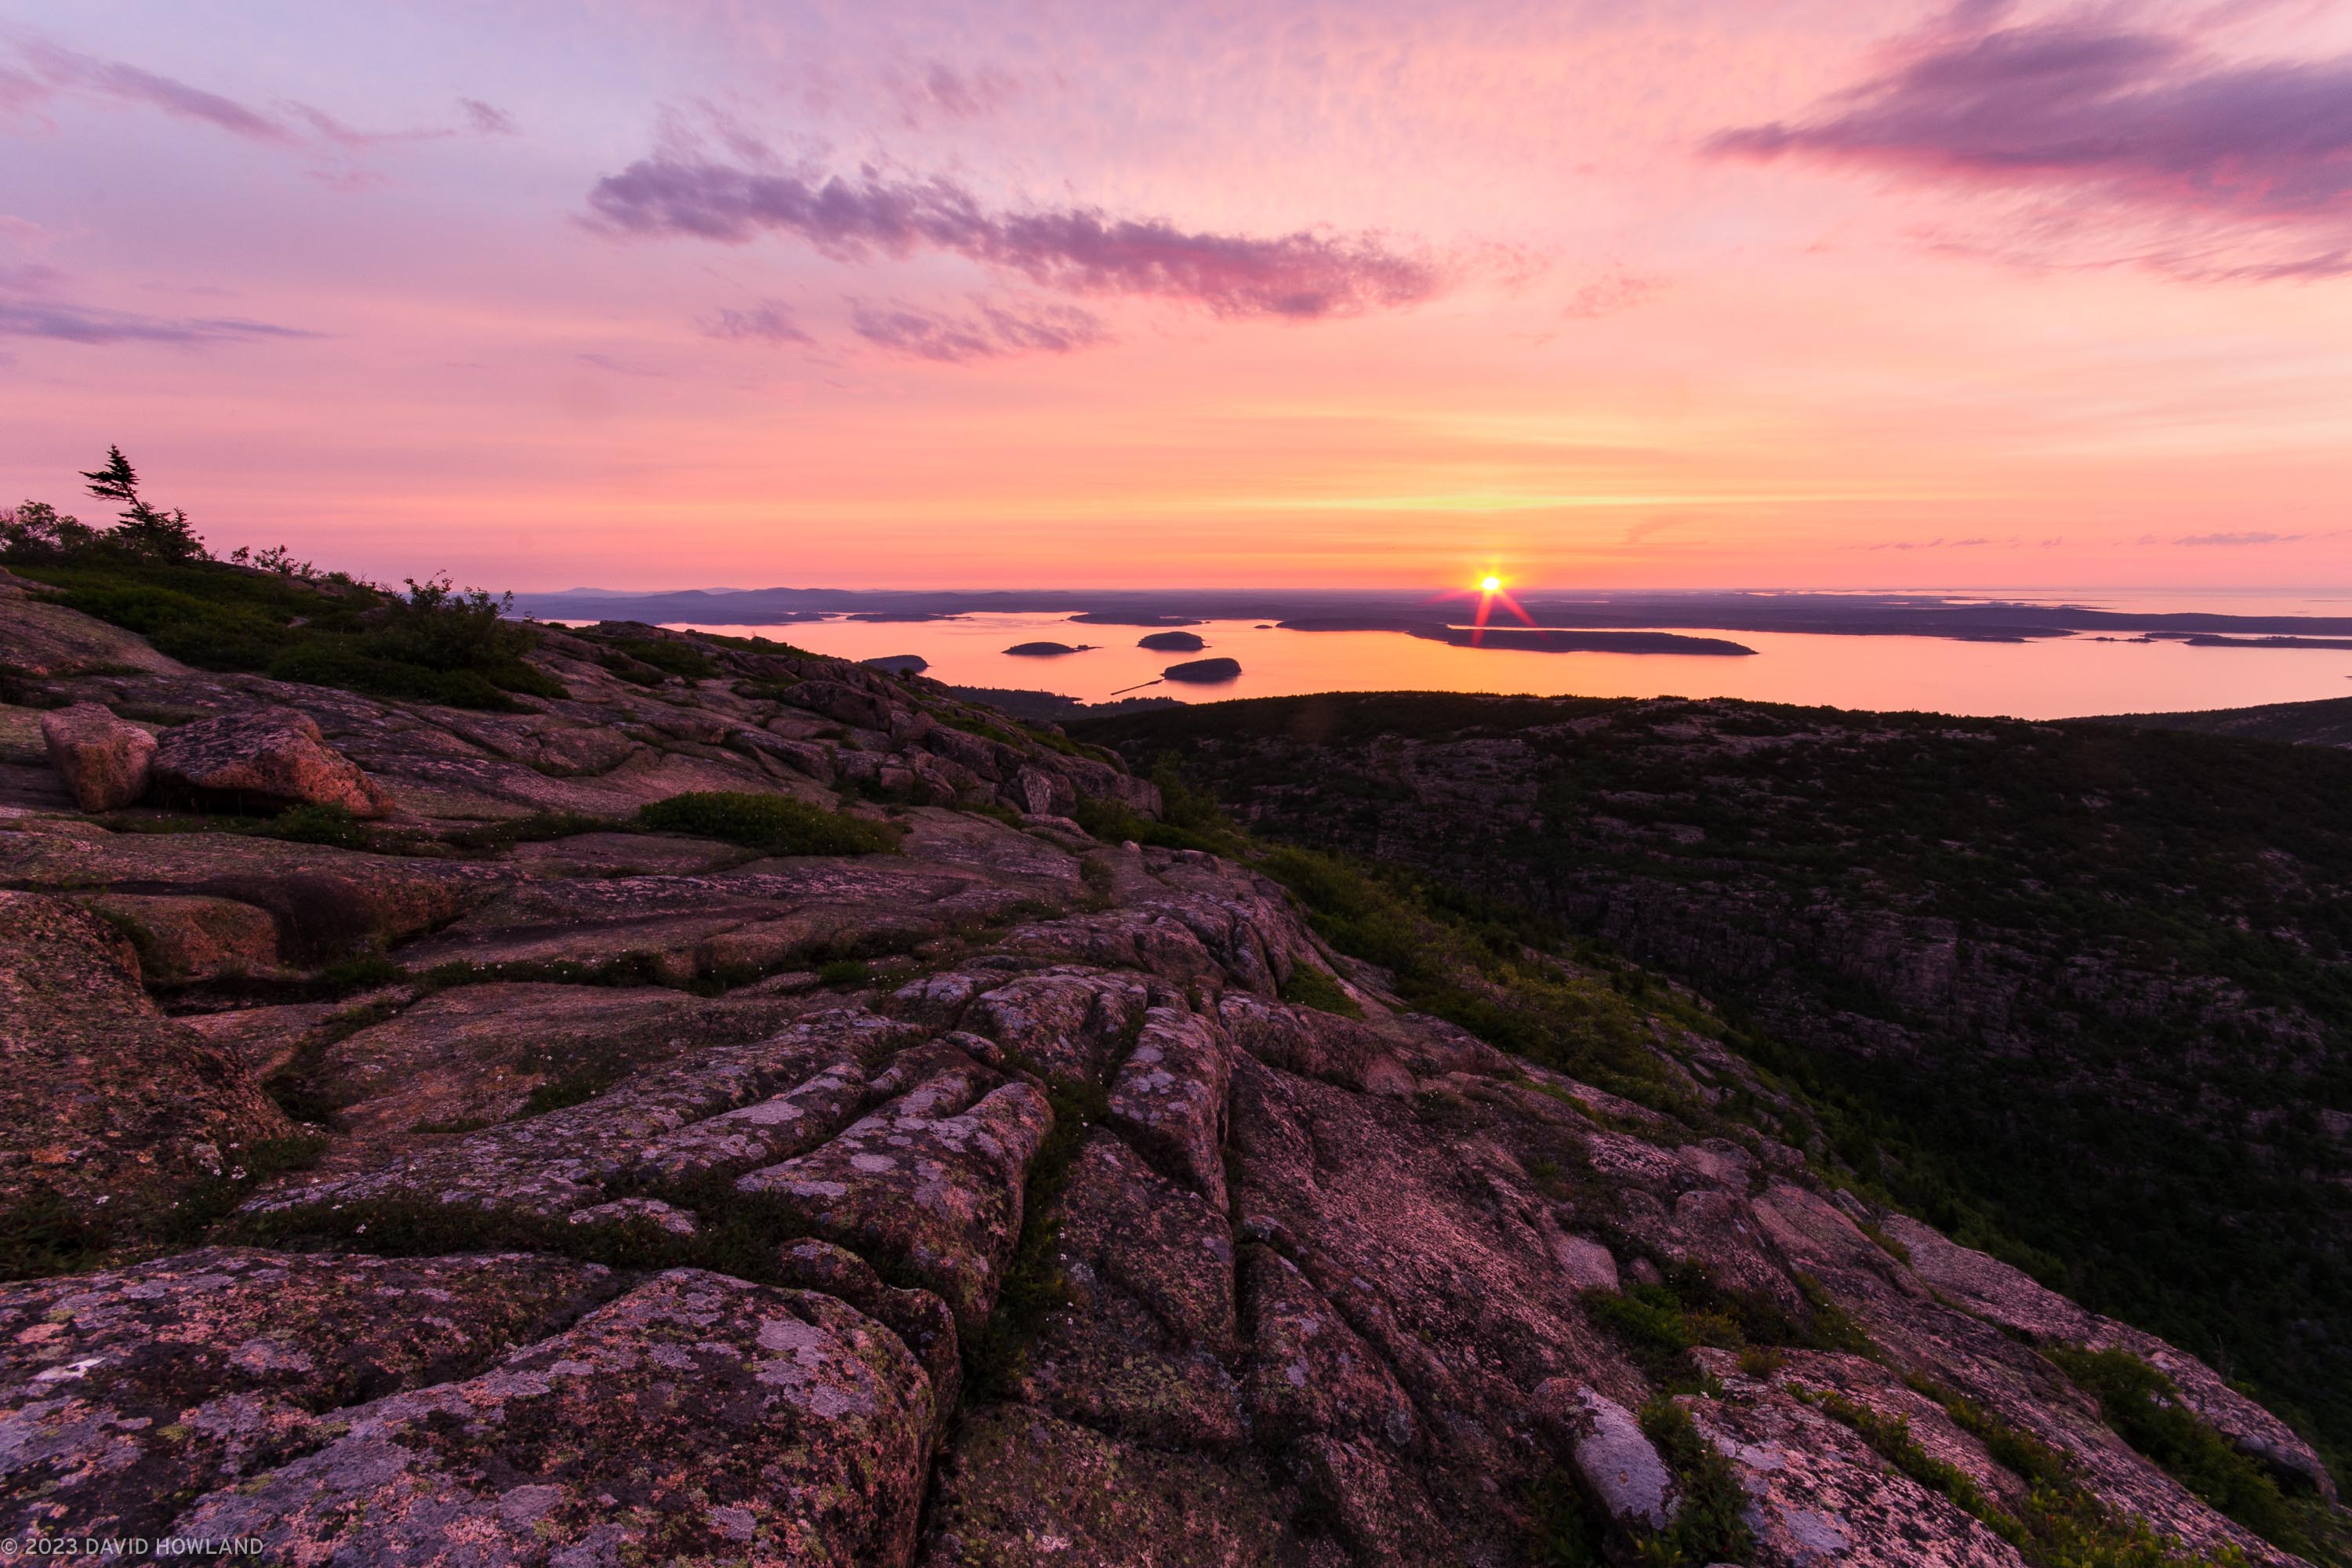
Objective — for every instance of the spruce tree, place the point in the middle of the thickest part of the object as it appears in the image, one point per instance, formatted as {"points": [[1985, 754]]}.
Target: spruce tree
{"points": [[143, 530]]}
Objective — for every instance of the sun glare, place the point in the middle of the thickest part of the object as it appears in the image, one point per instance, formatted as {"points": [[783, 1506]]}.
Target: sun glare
{"points": [[1490, 583]]}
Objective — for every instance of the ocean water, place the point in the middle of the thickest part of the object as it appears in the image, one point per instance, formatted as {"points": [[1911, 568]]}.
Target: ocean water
{"points": [[2045, 679]]}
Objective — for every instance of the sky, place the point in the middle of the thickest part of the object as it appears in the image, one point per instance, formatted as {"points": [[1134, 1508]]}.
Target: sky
{"points": [[1589, 293]]}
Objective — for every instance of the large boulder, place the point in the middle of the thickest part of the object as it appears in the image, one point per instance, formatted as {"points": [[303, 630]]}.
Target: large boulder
{"points": [[105, 760], [1616, 1465], [270, 756]]}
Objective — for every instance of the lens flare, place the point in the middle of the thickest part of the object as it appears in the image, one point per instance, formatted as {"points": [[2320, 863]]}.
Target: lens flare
{"points": [[1490, 583]]}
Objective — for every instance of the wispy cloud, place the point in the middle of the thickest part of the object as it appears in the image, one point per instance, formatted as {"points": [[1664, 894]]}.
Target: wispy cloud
{"points": [[769, 321], [940, 91], [2254, 537], [51, 68], [1084, 250], [621, 367], [1615, 291], [57, 68], [2161, 152], [89, 324], [991, 332]]}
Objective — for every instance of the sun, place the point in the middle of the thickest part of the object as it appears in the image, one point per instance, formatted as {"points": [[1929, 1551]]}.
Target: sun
{"points": [[1490, 583]]}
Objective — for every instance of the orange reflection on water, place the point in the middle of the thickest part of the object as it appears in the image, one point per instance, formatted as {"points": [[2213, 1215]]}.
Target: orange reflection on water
{"points": [[2050, 678]]}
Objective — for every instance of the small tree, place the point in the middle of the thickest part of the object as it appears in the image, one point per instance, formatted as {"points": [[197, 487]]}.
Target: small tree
{"points": [[144, 529], [37, 530]]}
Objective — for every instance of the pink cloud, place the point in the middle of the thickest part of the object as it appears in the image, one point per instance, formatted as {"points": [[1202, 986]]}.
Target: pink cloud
{"points": [[992, 333], [769, 321]]}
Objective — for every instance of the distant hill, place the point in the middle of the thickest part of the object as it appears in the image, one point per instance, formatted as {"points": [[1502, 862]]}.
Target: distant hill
{"points": [[2326, 723]]}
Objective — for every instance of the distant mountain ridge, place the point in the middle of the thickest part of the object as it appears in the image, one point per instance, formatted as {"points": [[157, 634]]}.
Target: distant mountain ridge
{"points": [[1853, 615]]}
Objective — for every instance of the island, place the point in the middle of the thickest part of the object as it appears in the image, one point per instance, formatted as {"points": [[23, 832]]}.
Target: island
{"points": [[1046, 649], [1173, 642], [899, 664], [1204, 671]]}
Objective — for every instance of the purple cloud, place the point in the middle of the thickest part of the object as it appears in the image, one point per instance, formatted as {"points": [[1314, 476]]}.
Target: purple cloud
{"points": [[995, 331], [2226, 168], [86, 324], [769, 321], [64, 68], [487, 119], [1079, 251]]}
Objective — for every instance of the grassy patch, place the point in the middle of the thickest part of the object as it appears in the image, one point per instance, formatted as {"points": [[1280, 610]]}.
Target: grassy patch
{"points": [[1034, 1286], [771, 824], [1657, 1324], [1310, 987], [842, 972], [681, 659], [42, 1234], [333, 826], [537, 827]]}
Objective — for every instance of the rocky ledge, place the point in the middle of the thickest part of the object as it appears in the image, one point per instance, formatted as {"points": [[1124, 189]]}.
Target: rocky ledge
{"points": [[491, 1184]]}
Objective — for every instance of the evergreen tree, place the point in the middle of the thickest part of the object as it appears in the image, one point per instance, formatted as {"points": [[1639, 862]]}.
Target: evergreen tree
{"points": [[118, 481], [144, 529]]}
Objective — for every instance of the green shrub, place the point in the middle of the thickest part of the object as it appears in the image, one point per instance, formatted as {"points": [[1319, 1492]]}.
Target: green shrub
{"points": [[2147, 1410], [1710, 1526], [773, 824]]}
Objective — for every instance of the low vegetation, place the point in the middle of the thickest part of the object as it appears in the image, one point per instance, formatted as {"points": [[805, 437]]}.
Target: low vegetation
{"points": [[151, 574], [771, 824]]}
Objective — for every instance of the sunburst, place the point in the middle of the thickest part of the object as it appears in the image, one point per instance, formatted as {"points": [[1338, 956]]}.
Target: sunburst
{"points": [[1490, 592]]}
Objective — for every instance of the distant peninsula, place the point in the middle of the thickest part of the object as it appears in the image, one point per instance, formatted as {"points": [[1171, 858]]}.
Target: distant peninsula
{"points": [[1523, 640]]}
